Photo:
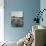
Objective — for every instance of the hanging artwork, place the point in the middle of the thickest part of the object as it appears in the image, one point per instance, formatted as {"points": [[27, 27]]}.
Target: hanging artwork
{"points": [[17, 19]]}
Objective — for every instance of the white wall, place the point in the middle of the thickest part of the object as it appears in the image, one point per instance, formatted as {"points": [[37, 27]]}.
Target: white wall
{"points": [[43, 6], [1, 21]]}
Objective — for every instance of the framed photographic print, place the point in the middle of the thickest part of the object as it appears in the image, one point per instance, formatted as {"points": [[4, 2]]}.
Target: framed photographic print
{"points": [[17, 19]]}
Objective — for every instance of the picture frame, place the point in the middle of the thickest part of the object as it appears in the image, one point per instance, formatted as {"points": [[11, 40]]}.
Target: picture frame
{"points": [[17, 19]]}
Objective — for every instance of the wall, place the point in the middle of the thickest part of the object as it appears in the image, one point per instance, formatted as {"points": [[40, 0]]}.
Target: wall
{"points": [[1, 21], [1, 24], [29, 7], [43, 6]]}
